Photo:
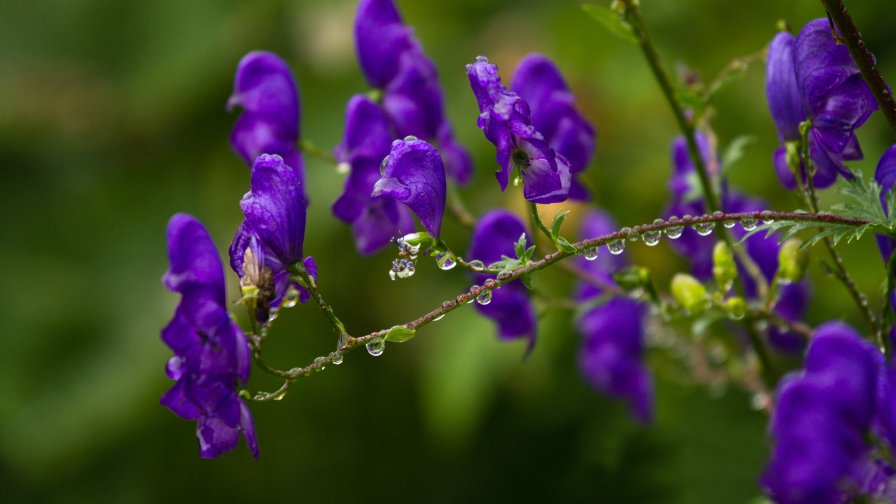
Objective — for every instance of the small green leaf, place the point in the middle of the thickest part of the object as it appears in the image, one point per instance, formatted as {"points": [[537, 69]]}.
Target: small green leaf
{"points": [[400, 334], [558, 223], [735, 150], [520, 246], [564, 245], [612, 21], [527, 281]]}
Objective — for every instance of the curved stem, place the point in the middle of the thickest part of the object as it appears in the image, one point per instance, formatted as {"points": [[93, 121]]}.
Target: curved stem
{"points": [[308, 147], [308, 282], [548, 260], [633, 16], [850, 35], [537, 223]]}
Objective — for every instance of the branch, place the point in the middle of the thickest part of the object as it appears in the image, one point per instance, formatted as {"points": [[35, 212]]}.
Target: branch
{"points": [[850, 35], [351, 343]]}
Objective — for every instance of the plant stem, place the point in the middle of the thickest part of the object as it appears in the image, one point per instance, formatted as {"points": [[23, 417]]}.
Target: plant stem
{"points": [[308, 282], [548, 260], [458, 210], [633, 16], [536, 222], [308, 147], [850, 35]]}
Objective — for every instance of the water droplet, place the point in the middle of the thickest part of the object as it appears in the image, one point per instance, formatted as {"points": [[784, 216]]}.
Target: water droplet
{"points": [[376, 346], [489, 283], [627, 232], [320, 363], [343, 168], [344, 340], [447, 304], [748, 223], [673, 232], [383, 165], [704, 228], [729, 223], [590, 253], [392, 275], [481, 59], [410, 138], [504, 275], [485, 297], [759, 401], [652, 237], [440, 317], [766, 217], [291, 298], [616, 246], [337, 358], [273, 314], [477, 264], [445, 262]]}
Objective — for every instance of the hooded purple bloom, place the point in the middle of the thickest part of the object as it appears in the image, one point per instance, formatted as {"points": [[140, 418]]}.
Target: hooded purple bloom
{"points": [[552, 105], [506, 121], [821, 417], [812, 77], [613, 346], [393, 60], [266, 90], [495, 235], [211, 354], [414, 175], [273, 233], [367, 140]]}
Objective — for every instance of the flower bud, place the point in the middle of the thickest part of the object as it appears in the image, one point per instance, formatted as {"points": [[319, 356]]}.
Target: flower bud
{"points": [[736, 307], [689, 293], [791, 261], [723, 267]]}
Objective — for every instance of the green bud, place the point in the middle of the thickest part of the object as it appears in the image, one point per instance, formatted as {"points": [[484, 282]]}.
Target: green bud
{"points": [[723, 267], [400, 334], [633, 277], [689, 293], [736, 308], [791, 261]]}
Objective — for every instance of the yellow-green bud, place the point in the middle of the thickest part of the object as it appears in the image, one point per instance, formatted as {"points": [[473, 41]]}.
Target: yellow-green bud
{"points": [[723, 267], [791, 261], [736, 307], [689, 293]]}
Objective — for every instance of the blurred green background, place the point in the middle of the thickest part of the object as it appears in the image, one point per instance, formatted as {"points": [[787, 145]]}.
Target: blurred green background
{"points": [[112, 119]]}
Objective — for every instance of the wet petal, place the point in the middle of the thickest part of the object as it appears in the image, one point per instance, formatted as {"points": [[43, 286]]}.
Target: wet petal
{"points": [[781, 88], [414, 175]]}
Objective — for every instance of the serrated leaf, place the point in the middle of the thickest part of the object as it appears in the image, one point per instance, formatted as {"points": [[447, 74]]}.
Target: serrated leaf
{"points": [[520, 246], [400, 334], [612, 21]]}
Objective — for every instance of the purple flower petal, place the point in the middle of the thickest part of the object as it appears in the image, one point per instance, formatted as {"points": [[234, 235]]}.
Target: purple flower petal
{"points": [[380, 39], [193, 257], [885, 175], [781, 87], [413, 99], [265, 88], [414, 175]]}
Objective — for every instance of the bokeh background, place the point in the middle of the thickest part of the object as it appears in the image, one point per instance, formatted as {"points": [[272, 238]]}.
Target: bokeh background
{"points": [[112, 119]]}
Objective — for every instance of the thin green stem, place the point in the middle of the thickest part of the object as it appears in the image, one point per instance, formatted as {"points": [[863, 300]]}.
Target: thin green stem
{"points": [[537, 223], [307, 281], [308, 147], [458, 210], [633, 16]]}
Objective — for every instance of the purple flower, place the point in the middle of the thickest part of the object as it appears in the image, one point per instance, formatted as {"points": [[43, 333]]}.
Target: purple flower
{"points": [[612, 351], [885, 175], [552, 105], [494, 236], [506, 121], [266, 90], [271, 238], [393, 60], [821, 417], [367, 140], [414, 175], [813, 78], [211, 354]]}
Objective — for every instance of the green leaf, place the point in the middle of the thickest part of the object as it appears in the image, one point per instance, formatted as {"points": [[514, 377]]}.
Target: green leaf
{"points": [[735, 150], [527, 281], [564, 245], [520, 246], [612, 20], [558, 223], [400, 334]]}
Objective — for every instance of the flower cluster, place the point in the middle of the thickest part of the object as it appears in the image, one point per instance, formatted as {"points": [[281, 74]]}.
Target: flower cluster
{"points": [[792, 298], [612, 351], [509, 306], [211, 354], [813, 78], [411, 105], [821, 420]]}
